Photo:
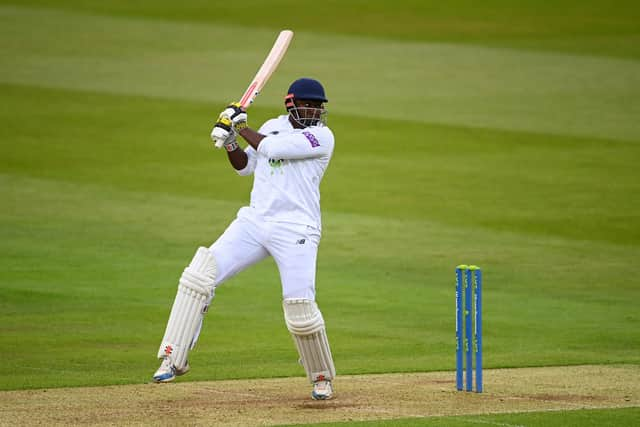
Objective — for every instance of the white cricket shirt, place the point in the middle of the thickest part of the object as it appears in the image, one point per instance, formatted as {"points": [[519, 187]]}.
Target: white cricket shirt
{"points": [[288, 167]]}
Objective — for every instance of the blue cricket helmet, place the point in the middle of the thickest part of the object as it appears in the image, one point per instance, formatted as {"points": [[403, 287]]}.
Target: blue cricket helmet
{"points": [[307, 89]]}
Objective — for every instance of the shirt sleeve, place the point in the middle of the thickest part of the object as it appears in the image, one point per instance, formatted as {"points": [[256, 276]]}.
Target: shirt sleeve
{"points": [[304, 144], [269, 126], [252, 158]]}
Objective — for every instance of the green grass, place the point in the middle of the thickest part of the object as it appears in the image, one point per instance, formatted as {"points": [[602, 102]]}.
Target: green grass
{"points": [[505, 137], [472, 85], [108, 219], [606, 28], [583, 418]]}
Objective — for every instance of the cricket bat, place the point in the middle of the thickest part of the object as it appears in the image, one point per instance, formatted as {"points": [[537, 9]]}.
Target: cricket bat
{"points": [[268, 67]]}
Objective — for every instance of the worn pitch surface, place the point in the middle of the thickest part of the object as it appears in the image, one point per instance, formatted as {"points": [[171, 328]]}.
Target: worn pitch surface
{"points": [[286, 400]]}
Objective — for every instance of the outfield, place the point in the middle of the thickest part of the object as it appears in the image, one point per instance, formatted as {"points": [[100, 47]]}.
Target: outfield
{"points": [[506, 137]]}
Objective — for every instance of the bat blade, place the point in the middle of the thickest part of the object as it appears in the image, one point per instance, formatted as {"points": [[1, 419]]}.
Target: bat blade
{"points": [[269, 65]]}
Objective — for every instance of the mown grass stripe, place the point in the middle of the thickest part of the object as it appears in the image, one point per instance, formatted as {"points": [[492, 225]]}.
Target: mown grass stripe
{"points": [[456, 84]]}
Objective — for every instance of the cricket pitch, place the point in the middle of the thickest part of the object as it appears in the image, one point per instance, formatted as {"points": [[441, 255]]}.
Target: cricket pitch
{"points": [[268, 402]]}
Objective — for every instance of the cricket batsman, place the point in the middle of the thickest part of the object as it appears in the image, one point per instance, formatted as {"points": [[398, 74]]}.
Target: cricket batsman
{"points": [[287, 157]]}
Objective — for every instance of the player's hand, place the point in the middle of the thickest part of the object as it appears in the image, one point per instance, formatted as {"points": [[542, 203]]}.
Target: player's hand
{"points": [[230, 143], [236, 114], [221, 130]]}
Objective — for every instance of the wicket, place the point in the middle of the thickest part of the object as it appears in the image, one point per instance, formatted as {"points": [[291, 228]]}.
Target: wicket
{"points": [[469, 284]]}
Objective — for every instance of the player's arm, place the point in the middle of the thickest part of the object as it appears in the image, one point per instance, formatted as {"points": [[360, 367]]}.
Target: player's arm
{"points": [[232, 119], [224, 131], [239, 118], [252, 137], [243, 161], [307, 144], [237, 157]]}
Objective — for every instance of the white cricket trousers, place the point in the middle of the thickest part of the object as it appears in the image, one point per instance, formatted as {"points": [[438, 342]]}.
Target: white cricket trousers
{"points": [[294, 248]]}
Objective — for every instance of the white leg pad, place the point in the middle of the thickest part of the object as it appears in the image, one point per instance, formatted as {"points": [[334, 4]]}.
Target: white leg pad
{"points": [[304, 321], [195, 292]]}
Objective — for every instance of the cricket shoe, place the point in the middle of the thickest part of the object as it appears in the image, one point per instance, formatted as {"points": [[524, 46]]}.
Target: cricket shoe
{"points": [[168, 372], [322, 390]]}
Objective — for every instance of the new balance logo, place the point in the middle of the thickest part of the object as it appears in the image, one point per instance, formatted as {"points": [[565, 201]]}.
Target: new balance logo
{"points": [[301, 241]]}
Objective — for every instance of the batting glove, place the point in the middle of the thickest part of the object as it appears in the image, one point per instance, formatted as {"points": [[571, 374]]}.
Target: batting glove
{"points": [[236, 114], [222, 129], [230, 143]]}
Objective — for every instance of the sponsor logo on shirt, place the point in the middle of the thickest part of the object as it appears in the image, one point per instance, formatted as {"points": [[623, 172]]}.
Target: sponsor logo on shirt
{"points": [[276, 165], [312, 139]]}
